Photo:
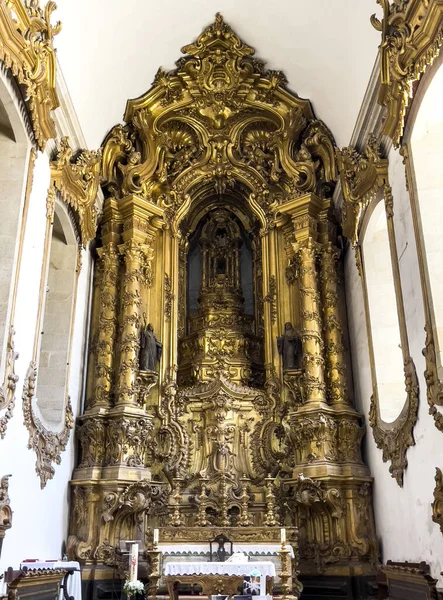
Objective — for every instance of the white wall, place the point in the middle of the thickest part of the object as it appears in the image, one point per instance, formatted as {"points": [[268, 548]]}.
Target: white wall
{"points": [[40, 517], [403, 515]]}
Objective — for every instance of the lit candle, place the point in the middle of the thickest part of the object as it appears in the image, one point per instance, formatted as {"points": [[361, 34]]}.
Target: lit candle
{"points": [[155, 537], [283, 535], [134, 562]]}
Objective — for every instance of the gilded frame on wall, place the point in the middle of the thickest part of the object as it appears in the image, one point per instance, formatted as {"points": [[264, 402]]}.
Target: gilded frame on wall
{"points": [[364, 180]]}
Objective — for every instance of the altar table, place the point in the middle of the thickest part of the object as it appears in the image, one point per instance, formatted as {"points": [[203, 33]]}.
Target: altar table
{"points": [[217, 577], [74, 581]]}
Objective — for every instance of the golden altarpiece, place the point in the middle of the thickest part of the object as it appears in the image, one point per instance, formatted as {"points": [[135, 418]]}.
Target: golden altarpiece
{"points": [[218, 230]]}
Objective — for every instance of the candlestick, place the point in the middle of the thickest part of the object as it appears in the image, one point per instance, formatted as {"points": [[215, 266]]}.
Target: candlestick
{"points": [[155, 537], [134, 562], [283, 535]]}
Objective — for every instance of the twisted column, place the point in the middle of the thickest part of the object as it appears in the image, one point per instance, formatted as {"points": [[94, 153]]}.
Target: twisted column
{"points": [[312, 342], [107, 325], [137, 258], [335, 363]]}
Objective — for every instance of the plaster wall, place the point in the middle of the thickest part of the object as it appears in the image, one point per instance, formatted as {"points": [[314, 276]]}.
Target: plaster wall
{"points": [[403, 515], [40, 517]]}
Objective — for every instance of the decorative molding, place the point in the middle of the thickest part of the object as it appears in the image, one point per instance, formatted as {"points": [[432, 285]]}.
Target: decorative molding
{"points": [[78, 181], [361, 175], [411, 37], [7, 390], [395, 442], [437, 505], [5, 509], [47, 445], [26, 48], [169, 297], [271, 298]]}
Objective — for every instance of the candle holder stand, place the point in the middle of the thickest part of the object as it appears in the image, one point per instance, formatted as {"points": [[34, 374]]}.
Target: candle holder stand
{"points": [[153, 559]]}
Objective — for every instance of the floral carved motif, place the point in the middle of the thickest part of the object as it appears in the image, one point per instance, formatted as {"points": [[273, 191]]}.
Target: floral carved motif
{"points": [[7, 391], [47, 445]]}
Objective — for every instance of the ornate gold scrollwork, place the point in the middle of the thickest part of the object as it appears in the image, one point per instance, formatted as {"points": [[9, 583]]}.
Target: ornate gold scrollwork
{"points": [[77, 181], [412, 34], [26, 47], [47, 445], [437, 505], [7, 391]]}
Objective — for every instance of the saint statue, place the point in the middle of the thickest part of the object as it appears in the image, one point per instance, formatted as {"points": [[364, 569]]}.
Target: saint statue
{"points": [[150, 348], [290, 348]]}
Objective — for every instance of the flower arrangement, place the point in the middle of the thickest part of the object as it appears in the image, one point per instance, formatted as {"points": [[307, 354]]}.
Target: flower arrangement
{"points": [[132, 588]]}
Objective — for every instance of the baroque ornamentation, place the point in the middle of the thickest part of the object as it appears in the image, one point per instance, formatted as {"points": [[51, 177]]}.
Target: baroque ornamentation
{"points": [[5, 509], [437, 505], [361, 175], [26, 47], [7, 391], [411, 37], [395, 442], [78, 181], [204, 135], [47, 445]]}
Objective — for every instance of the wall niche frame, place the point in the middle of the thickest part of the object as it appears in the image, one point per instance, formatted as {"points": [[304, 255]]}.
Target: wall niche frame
{"points": [[365, 183], [48, 443], [434, 383]]}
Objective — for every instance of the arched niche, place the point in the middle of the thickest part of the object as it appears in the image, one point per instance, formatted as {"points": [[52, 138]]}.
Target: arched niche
{"points": [[383, 315], [57, 320], [15, 151], [423, 151]]}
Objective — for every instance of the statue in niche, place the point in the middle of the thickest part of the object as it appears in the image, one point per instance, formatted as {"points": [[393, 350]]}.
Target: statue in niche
{"points": [[150, 348], [290, 348]]}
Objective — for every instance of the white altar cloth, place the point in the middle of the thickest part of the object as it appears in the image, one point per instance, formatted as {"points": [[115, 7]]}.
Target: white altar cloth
{"points": [[74, 580], [189, 549], [265, 568]]}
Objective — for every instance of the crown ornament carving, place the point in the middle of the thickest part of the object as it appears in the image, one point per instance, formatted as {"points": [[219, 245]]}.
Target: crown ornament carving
{"points": [[219, 122]]}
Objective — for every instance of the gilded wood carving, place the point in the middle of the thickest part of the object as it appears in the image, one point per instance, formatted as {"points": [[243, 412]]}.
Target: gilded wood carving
{"points": [[27, 36], [363, 177], [219, 180], [412, 34]]}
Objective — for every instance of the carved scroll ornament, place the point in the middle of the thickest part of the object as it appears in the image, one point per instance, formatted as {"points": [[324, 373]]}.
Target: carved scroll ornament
{"points": [[78, 183], [47, 445], [395, 442], [220, 120], [7, 391], [437, 505], [26, 47], [5, 509], [412, 34]]}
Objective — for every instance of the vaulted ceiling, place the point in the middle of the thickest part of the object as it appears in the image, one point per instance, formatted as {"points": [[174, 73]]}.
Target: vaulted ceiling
{"points": [[109, 51]]}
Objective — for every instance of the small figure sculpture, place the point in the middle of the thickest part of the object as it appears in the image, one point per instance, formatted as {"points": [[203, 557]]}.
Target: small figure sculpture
{"points": [[290, 348], [150, 348]]}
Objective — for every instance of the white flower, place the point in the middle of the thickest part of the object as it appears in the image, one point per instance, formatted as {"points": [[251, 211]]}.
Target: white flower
{"points": [[131, 588]]}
